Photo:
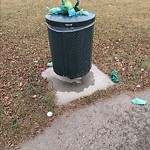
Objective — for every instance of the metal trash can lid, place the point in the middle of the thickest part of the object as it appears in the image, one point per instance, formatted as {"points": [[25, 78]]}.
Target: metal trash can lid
{"points": [[66, 21]]}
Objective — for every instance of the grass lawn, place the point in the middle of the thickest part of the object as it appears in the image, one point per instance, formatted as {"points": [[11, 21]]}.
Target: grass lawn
{"points": [[121, 42]]}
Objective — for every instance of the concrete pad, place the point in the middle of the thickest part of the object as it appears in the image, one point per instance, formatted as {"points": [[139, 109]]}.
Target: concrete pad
{"points": [[68, 90]]}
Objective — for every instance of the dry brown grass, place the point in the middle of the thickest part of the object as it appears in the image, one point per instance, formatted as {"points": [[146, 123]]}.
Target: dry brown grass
{"points": [[121, 42]]}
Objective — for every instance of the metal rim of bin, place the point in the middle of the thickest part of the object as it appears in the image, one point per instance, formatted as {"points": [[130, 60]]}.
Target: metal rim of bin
{"points": [[70, 29]]}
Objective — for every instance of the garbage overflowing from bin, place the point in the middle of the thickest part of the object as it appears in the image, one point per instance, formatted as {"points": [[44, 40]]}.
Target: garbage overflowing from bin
{"points": [[70, 32], [66, 8]]}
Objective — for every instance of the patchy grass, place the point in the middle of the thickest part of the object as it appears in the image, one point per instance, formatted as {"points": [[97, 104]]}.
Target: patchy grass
{"points": [[121, 42]]}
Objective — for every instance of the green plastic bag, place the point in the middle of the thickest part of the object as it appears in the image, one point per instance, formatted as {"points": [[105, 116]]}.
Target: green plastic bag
{"points": [[54, 10], [114, 76], [82, 12], [139, 101], [68, 4], [66, 8], [50, 64]]}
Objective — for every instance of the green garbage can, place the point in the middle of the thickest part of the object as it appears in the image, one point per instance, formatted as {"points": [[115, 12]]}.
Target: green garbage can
{"points": [[71, 40]]}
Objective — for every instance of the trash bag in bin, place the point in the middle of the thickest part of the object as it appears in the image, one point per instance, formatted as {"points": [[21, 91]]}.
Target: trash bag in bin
{"points": [[71, 42]]}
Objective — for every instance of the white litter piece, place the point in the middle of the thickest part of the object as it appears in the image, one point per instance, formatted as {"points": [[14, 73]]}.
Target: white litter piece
{"points": [[36, 61], [138, 86], [49, 114], [34, 96]]}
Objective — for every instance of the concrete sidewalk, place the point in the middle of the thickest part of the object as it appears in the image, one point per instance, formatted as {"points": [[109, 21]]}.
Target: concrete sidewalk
{"points": [[111, 124]]}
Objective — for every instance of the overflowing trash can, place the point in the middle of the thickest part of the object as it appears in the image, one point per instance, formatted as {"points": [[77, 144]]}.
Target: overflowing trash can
{"points": [[71, 40]]}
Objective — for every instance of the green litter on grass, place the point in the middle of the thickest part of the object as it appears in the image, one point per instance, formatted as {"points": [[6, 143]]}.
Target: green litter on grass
{"points": [[50, 64], [114, 76]]}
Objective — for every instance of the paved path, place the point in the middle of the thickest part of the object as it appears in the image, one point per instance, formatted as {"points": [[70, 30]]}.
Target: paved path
{"points": [[112, 124]]}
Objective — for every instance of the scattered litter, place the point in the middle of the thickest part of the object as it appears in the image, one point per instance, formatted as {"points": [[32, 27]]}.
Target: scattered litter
{"points": [[138, 86], [6, 97], [82, 12], [49, 114], [20, 84], [139, 101], [54, 10], [114, 76], [116, 58], [50, 64], [71, 12], [142, 69], [66, 8], [131, 66], [34, 96], [36, 61]]}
